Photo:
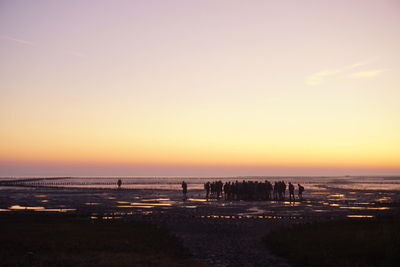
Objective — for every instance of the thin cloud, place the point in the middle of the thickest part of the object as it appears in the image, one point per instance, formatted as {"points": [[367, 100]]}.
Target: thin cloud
{"points": [[20, 41], [76, 53], [367, 73], [29, 43], [361, 63], [318, 77]]}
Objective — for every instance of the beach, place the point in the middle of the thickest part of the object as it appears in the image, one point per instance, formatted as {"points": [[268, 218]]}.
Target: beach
{"points": [[217, 232]]}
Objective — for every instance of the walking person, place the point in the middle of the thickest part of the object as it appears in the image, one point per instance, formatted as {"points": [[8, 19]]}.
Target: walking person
{"points": [[301, 190]]}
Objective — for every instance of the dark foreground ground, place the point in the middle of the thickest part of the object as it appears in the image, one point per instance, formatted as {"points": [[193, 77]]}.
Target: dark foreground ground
{"points": [[57, 240], [32, 239], [371, 242]]}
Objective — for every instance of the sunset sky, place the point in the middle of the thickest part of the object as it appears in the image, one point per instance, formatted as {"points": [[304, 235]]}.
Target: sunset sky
{"points": [[199, 87]]}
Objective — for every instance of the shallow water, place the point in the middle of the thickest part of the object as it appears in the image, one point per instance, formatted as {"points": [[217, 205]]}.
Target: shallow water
{"points": [[314, 183]]}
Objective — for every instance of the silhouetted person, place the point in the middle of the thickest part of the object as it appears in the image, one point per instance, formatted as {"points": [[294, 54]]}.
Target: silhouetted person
{"points": [[275, 190], [207, 188], [119, 183], [301, 190], [291, 191], [184, 190], [219, 189]]}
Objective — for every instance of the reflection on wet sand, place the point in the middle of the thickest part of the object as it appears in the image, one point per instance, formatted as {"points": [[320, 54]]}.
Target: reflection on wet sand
{"points": [[151, 204], [365, 208], [383, 199], [18, 207], [128, 206], [28, 208], [360, 216], [337, 195], [200, 199], [156, 199]]}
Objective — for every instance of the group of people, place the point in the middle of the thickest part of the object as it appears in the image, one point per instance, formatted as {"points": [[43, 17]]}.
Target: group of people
{"points": [[251, 190]]}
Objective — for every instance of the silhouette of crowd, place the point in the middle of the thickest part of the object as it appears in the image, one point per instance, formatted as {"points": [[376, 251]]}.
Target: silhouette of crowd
{"points": [[251, 190]]}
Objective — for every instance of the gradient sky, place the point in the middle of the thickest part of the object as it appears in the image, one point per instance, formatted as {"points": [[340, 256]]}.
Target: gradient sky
{"points": [[199, 87]]}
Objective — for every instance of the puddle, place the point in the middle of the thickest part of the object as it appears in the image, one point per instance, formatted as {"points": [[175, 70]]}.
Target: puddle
{"points": [[151, 204], [40, 196], [336, 195], [198, 199], [123, 202], [360, 216], [366, 208], [18, 207], [190, 207], [289, 203], [132, 207], [155, 199]]}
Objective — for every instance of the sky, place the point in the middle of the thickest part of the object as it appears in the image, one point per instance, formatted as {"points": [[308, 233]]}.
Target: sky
{"points": [[285, 87]]}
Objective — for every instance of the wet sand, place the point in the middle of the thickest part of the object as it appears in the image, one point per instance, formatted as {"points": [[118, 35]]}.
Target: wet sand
{"points": [[219, 233]]}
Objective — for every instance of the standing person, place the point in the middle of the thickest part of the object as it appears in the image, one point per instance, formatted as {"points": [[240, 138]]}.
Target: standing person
{"points": [[301, 190], [119, 183], [184, 190], [275, 190], [207, 188], [226, 190], [291, 192], [283, 190], [219, 189], [269, 189]]}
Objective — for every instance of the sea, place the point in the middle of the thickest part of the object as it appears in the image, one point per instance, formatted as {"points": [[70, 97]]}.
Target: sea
{"points": [[379, 183]]}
